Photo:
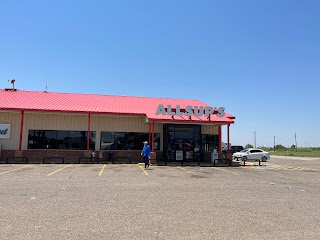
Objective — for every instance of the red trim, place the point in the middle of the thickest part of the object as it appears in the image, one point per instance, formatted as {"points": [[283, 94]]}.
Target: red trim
{"points": [[21, 130], [88, 137], [220, 139], [153, 136], [149, 133], [229, 138]]}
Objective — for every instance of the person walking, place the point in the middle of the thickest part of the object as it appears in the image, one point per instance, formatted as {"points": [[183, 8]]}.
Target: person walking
{"points": [[146, 154]]}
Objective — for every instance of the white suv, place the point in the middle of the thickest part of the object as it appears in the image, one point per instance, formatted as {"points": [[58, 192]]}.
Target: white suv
{"points": [[251, 154]]}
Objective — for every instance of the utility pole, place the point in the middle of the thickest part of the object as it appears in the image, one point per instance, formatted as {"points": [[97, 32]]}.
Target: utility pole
{"points": [[255, 142], [295, 138], [274, 143]]}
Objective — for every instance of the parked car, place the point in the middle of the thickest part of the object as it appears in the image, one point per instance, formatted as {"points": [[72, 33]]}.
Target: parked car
{"points": [[233, 149], [251, 154]]}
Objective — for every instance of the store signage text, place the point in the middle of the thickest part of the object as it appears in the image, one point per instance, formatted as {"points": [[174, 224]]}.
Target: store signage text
{"points": [[4, 130], [189, 111]]}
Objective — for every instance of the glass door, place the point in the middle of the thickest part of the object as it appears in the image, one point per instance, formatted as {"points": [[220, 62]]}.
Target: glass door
{"points": [[182, 142], [184, 149]]}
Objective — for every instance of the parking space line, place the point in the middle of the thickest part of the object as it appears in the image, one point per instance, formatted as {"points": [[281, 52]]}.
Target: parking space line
{"points": [[102, 169], [15, 169], [58, 170], [145, 172], [187, 170], [227, 171]]}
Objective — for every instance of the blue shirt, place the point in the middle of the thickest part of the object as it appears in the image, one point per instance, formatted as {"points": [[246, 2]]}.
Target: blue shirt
{"points": [[146, 150]]}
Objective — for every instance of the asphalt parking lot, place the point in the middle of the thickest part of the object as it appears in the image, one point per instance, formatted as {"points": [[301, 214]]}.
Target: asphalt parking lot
{"points": [[279, 200]]}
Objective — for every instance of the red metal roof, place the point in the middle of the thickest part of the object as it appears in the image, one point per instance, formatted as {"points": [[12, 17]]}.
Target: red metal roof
{"points": [[101, 104]]}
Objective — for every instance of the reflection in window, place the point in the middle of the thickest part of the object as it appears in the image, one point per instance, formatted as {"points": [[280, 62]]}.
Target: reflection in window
{"points": [[126, 140], [209, 142], [56, 139]]}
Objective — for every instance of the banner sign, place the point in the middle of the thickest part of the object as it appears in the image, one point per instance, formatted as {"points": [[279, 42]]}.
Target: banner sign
{"points": [[4, 130]]}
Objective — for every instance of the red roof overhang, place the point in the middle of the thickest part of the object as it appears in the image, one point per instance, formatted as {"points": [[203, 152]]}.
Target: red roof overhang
{"points": [[30, 101]]}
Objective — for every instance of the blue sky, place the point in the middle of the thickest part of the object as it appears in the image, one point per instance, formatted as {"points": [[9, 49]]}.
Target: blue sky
{"points": [[258, 59]]}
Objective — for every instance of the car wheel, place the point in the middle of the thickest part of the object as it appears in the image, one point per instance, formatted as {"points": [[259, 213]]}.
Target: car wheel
{"points": [[244, 158], [264, 159]]}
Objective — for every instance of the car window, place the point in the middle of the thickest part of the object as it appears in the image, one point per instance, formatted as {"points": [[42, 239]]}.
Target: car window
{"points": [[256, 151], [244, 150]]}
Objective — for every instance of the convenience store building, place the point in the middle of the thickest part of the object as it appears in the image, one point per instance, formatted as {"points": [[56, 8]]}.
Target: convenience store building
{"points": [[42, 125]]}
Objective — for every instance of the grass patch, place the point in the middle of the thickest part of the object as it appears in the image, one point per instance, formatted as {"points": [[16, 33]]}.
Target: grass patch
{"points": [[301, 152]]}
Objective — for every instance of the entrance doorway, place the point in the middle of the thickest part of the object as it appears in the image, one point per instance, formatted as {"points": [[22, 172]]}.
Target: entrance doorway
{"points": [[182, 142]]}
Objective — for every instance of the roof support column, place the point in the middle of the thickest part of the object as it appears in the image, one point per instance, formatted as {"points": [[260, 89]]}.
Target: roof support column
{"points": [[149, 133], [153, 136], [219, 139], [21, 129], [88, 136], [228, 139]]}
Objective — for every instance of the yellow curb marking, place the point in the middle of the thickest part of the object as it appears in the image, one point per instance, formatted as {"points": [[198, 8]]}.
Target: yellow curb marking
{"points": [[15, 169], [59, 170], [101, 171]]}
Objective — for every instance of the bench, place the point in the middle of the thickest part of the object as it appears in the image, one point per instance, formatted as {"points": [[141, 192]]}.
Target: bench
{"points": [[244, 162], [21, 158]]}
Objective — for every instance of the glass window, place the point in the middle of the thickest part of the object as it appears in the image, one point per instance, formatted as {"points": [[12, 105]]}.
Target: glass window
{"points": [[209, 142], [63, 139], [107, 141], [56, 139], [126, 140]]}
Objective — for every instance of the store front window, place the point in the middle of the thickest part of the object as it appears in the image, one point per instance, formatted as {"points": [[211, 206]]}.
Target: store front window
{"points": [[209, 142], [126, 140], [56, 139], [185, 142]]}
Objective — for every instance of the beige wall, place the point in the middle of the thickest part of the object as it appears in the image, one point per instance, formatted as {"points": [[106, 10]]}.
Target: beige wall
{"points": [[207, 129], [60, 121], [12, 118]]}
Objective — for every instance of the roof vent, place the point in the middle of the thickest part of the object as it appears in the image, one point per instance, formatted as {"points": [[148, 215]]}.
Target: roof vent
{"points": [[11, 89]]}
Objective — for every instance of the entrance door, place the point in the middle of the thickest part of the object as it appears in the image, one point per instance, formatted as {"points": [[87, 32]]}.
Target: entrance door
{"points": [[184, 148], [182, 142]]}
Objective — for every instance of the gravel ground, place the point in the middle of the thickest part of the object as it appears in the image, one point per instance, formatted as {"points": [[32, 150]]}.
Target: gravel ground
{"points": [[279, 200]]}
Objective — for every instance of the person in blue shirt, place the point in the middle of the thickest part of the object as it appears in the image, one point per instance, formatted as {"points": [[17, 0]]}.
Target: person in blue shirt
{"points": [[146, 154]]}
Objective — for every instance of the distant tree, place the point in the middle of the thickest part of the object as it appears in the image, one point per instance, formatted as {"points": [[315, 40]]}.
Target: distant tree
{"points": [[293, 146], [279, 146], [249, 146]]}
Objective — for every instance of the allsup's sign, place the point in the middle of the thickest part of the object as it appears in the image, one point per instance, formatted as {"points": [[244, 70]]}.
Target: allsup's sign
{"points": [[188, 111], [4, 130]]}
